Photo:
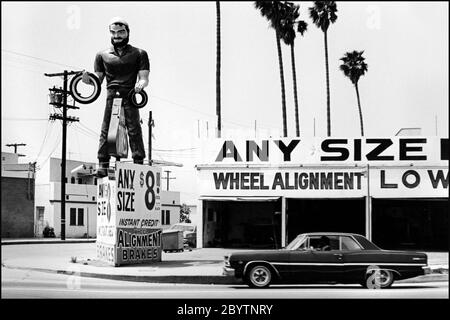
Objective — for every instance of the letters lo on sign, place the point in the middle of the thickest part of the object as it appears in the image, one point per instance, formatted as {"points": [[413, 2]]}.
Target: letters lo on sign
{"points": [[128, 215]]}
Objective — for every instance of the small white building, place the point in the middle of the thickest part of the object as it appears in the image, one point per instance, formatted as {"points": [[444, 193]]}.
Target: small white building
{"points": [[170, 208], [81, 199]]}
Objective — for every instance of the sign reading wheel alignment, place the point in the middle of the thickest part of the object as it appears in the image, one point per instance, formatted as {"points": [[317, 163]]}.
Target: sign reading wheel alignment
{"points": [[128, 215]]}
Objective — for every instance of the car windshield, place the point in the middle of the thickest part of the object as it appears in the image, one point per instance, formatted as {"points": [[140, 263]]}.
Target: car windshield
{"points": [[296, 243], [181, 227]]}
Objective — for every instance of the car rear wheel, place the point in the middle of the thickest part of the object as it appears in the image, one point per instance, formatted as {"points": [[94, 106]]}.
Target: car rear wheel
{"points": [[259, 276], [379, 279]]}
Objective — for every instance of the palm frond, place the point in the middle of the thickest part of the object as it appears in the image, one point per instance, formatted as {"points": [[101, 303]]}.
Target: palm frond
{"points": [[323, 13], [353, 65]]}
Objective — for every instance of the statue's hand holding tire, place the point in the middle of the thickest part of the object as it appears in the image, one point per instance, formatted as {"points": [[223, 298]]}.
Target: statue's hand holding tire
{"points": [[85, 78]]}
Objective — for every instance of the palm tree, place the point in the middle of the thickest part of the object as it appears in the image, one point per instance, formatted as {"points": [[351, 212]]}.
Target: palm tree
{"points": [[273, 11], [288, 35], [322, 14], [354, 67], [218, 111]]}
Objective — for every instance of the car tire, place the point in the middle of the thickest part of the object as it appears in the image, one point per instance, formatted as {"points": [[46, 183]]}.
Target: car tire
{"points": [[385, 281], [259, 276]]}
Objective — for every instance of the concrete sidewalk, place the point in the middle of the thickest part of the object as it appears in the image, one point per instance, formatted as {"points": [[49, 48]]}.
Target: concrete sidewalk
{"points": [[200, 266]]}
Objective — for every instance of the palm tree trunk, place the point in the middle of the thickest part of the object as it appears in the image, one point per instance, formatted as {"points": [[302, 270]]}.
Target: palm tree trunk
{"points": [[294, 76], [280, 62], [328, 86], [360, 111], [283, 91], [218, 106]]}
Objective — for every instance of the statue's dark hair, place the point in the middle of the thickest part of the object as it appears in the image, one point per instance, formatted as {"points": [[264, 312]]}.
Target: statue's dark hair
{"points": [[120, 24]]}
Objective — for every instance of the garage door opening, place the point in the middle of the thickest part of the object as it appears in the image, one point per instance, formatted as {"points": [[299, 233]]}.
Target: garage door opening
{"points": [[325, 215], [242, 224], [410, 224]]}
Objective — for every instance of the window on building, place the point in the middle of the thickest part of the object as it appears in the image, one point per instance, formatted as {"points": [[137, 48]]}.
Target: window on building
{"points": [[80, 181], [165, 217], [72, 180], [80, 217], [73, 216], [95, 181], [40, 214]]}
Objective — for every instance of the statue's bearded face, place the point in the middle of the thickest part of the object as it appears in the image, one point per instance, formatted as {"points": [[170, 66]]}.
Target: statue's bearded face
{"points": [[119, 35]]}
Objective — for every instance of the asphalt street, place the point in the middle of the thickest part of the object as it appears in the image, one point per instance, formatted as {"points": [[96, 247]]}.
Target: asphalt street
{"points": [[34, 284]]}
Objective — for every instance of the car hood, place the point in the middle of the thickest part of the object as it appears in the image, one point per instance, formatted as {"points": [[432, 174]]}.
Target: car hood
{"points": [[254, 254]]}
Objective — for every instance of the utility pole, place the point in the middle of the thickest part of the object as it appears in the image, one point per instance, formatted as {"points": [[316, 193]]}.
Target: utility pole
{"points": [[15, 145], [58, 98], [168, 178], [150, 125], [314, 127]]}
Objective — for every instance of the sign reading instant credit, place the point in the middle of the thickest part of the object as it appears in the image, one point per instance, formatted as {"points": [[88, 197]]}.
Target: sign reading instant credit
{"points": [[128, 215]]}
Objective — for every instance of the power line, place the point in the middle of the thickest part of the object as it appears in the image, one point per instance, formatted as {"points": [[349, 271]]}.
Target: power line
{"points": [[40, 59], [49, 124], [205, 113], [25, 119], [51, 152], [170, 150]]}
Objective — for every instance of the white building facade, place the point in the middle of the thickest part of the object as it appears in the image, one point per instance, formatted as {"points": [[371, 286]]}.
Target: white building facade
{"points": [[262, 194]]}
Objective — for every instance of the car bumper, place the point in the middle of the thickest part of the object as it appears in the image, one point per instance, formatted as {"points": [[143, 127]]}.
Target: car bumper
{"points": [[228, 272], [426, 270]]}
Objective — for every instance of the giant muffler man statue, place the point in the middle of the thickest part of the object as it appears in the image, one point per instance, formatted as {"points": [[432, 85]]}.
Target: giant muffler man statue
{"points": [[126, 69]]}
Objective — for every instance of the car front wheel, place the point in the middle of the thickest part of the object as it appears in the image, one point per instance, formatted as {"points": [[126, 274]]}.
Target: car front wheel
{"points": [[380, 279], [259, 276]]}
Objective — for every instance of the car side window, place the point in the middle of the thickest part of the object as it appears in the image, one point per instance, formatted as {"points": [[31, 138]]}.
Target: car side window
{"points": [[324, 243], [349, 243]]}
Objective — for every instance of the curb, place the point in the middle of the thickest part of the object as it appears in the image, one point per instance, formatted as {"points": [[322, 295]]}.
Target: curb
{"points": [[211, 280], [150, 279], [13, 242]]}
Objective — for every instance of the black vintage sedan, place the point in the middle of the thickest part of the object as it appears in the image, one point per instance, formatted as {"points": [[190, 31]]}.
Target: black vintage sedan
{"points": [[326, 258]]}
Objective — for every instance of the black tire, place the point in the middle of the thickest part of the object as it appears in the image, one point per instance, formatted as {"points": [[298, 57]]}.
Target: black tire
{"points": [[259, 276], [77, 96], [132, 97], [386, 279]]}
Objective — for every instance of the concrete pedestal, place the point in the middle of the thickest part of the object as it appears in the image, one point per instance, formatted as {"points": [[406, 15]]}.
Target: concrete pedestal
{"points": [[128, 215]]}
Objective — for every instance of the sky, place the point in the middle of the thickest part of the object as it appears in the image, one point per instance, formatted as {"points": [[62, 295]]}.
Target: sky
{"points": [[405, 45]]}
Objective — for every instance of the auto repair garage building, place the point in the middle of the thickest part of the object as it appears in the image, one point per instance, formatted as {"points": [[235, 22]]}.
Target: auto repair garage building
{"points": [[262, 194]]}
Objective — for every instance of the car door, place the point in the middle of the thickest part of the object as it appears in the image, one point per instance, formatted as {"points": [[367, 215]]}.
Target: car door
{"points": [[310, 264], [354, 257]]}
